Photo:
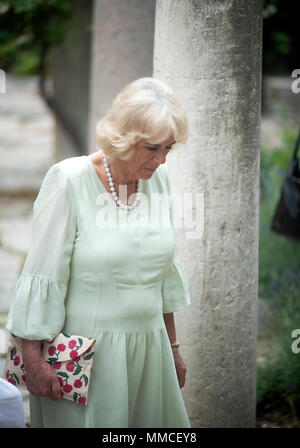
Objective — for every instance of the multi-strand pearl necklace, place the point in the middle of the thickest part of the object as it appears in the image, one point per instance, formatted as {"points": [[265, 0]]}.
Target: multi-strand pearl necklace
{"points": [[113, 189]]}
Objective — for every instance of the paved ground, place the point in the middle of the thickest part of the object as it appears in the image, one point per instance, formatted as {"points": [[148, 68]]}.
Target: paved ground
{"points": [[26, 151]]}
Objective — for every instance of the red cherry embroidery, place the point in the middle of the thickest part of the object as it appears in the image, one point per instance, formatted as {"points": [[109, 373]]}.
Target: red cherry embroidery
{"points": [[73, 354], [70, 366], [51, 350], [72, 344], [67, 388], [61, 347]]}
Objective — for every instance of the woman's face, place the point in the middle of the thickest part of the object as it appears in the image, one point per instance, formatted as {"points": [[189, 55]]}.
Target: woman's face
{"points": [[147, 157]]}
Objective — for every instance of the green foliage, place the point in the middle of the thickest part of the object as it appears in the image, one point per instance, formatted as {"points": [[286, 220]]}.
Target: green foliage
{"points": [[278, 255], [270, 2], [278, 380], [280, 36], [27, 27], [27, 62], [282, 42]]}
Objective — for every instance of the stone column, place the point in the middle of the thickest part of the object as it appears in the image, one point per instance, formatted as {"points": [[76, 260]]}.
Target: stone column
{"points": [[70, 65], [122, 51], [209, 52]]}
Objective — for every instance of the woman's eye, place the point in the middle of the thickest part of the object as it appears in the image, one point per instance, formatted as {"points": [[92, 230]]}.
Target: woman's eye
{"points": [[154, 149]]}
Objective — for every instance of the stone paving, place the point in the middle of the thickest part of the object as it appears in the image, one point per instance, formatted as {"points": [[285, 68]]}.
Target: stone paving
{"points": [[27, 150]]}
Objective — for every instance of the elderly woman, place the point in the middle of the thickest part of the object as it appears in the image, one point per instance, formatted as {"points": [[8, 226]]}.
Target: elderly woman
{"points": [[119, 285]]}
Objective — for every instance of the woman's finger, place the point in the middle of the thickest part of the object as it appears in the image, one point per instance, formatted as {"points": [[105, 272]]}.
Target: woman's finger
{"points": [[56, 388]]}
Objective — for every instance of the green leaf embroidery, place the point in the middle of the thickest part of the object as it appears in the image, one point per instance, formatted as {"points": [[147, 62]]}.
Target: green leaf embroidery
{"points": [[67, 335], [65, 375], [89, 356], [17, 379], [12, 354], [77, 370], [86, 380], [80, 341], [52, 359], [75, 397]]}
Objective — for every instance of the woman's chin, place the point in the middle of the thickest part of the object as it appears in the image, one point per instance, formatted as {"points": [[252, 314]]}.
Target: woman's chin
{"points": [[147, 173]]}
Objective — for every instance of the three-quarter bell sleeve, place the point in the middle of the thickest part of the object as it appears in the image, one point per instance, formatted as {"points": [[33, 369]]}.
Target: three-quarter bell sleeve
{"points": [[37, 311], [175, 290], [175, 287]]}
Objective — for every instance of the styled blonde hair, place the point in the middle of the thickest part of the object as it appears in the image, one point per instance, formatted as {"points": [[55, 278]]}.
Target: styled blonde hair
{"points": [[144, 109]]}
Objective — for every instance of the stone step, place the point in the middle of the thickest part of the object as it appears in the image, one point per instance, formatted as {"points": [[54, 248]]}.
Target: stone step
{"points": [[27, 137]]}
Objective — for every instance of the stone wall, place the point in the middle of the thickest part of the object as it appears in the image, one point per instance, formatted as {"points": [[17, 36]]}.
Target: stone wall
{"points": [[70, 66]]}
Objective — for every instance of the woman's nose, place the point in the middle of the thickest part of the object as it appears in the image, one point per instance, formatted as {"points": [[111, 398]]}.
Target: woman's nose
{"points": [[160, 157]]}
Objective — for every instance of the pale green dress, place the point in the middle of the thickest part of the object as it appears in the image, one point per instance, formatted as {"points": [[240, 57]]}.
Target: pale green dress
{"points": [[86, 275]]}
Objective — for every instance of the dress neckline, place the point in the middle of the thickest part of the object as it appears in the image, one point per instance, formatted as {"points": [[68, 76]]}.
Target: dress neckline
{"points": [[94, 173], [99, 182]]}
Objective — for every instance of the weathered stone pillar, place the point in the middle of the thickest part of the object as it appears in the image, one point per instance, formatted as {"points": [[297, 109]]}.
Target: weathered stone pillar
{"points": [[209, 52], [70, 66], [122, 51]]}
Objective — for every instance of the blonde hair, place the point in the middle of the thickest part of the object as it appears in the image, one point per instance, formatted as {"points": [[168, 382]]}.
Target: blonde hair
{"points": [[144, 109]]}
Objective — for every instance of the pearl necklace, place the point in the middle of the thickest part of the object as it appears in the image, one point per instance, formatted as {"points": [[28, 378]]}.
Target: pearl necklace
{"points": [[113, 190]]}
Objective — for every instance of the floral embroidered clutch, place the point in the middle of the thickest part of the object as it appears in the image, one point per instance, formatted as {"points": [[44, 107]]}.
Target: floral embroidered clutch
{"points": [[70, 355]]}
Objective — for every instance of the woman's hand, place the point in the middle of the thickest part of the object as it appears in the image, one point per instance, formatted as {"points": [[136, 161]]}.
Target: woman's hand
{"points": [[179, 364], [41, 379], [180, 367]]}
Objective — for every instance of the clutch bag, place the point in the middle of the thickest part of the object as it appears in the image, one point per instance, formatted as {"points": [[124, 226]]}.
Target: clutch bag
{"points": [[71, 356]]}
